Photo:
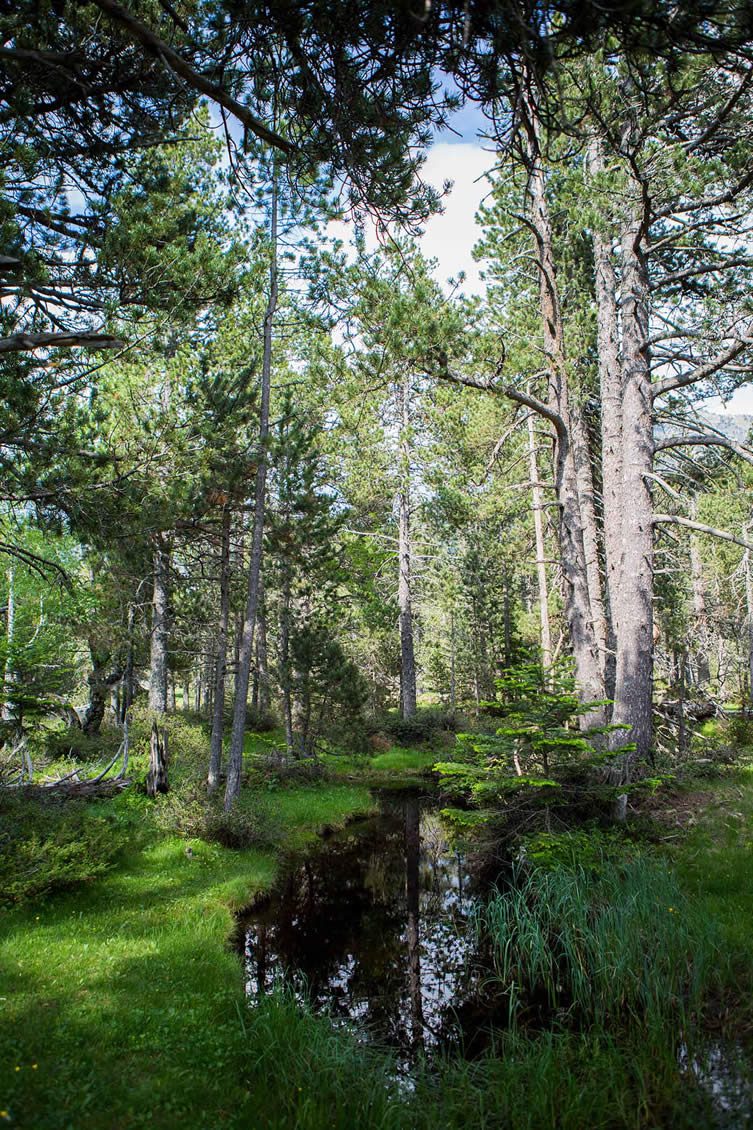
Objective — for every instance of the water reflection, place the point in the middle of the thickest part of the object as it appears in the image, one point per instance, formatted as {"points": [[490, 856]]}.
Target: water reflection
{"points": [[374, 928]]}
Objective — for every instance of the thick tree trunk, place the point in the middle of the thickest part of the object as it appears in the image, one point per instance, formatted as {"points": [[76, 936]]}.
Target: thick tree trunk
{"points": [[610, 384], [634, 614], [218, 719], [407, 655], [246, 649], [101, 681], [156, 780], [581, 616], [538, 529]]}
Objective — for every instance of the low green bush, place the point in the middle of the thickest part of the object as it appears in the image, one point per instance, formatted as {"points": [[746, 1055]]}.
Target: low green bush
{"points": [[48, 842], [189, 811]]}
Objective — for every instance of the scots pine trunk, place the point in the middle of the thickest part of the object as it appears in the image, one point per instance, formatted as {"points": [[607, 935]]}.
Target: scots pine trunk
{"points": [[701, 636], [610, 389], [246, 648], [407, 655], [156, 780], [580, 615], [538, 529], [218, 719], [634, 615], [8, 708]]}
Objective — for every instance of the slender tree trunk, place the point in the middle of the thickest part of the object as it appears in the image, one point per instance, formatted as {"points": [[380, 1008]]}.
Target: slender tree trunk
{"points": [[218, 719], [262, 658], [634, 618], [701, 635], [8, 708], [407, 656], [156, 781], [538, 529], [610, 387], [285, 671], [580, 615], [126, 699], [749, 615], [453, 692], [246, 649]]}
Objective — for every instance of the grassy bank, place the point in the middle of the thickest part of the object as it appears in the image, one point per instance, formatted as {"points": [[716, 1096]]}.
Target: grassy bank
{"points": [[123, 1003]]}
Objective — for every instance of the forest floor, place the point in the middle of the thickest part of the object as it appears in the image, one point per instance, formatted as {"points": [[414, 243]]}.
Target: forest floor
{"points": [[123, 1002]]}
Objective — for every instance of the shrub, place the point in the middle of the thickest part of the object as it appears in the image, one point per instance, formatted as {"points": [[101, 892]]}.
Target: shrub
{"points": [[425, 725], [188, 811], [48, 842], [72, 742]]}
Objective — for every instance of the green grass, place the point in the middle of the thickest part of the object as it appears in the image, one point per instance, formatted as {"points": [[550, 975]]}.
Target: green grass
{"points": [[125, 993], [403, 760]]}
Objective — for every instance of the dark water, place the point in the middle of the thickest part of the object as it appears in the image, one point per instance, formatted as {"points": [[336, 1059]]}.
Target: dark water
{"points": [[374, 927]]}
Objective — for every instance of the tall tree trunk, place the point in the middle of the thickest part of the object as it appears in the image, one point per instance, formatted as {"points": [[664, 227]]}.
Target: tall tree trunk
{"points": [[8, 708], [407, 655], [538, 529], [749, 615], [101, 681], [610, 385], [262, 660], [581, 616], [246, 649], [285, 670], [634, 613], [701, 635], [218, 719], [126, 698], [156, 780]]}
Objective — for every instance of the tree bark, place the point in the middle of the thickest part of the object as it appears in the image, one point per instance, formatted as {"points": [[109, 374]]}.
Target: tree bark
{"points": [[245, 653], [215, 745], [581, 616], [634, 618], [610, 387], [701, 635], [407, 654], [156, 780], [538, 528], [8, 708]]}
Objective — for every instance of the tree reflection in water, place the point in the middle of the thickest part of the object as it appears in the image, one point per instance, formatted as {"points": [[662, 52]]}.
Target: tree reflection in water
{"points": [[373, 928]]}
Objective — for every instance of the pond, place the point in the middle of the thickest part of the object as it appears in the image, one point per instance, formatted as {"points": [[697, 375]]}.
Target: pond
{"points": [[375, 927]]}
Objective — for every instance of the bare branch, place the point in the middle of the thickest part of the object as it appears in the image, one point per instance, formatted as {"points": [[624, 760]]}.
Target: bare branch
{"points": [[701, 528], [703, 372], [23, 342], [702, 439]]}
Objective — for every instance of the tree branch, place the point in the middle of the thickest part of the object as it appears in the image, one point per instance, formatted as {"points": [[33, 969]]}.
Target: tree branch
{"points": [[161, 50], [701, 439], [701, 528], [702, 372], [22, 342]]}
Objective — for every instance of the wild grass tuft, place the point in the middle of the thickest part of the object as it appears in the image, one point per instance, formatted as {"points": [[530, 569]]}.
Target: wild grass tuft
{"points": [[607, 948]]}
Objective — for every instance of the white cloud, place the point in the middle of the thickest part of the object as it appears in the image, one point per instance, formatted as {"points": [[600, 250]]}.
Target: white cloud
{"points": [[449, 237]]}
